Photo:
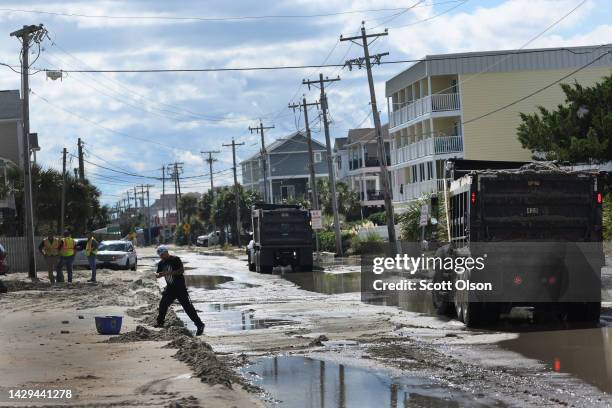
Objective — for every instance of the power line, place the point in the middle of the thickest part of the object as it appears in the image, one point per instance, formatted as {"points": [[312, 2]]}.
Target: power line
{"points": [[117, 171], [201, 19]]}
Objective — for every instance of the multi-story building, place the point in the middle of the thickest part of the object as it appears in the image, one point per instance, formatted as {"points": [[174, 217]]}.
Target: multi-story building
{"points": [[364, 164], [467, 105], [341, 159], [288, 174], [11, 145]]}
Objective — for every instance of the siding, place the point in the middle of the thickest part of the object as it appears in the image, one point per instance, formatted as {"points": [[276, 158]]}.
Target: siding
{"points": [[292, 164], [494, 137], [10, 147]]}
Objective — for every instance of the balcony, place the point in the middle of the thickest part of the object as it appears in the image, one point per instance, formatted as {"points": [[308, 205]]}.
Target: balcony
{"points": [[413, 191], [427, 147], [369, 162], [371, 195], [424, 106]]}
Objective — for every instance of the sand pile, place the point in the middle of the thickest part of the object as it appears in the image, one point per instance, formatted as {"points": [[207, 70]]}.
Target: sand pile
{"points": [[143, 334]]}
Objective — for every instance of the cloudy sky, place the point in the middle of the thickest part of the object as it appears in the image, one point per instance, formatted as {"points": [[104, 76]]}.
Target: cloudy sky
{"points": [[137, 122]]}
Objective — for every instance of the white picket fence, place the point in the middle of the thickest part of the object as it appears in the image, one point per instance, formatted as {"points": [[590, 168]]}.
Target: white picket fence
{"points": [[17, 258]]}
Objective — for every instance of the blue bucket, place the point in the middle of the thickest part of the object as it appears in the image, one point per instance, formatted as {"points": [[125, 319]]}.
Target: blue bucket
{"points": [[109, 324]]}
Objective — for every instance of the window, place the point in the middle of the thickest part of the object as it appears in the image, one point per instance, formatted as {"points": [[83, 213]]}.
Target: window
{"points": [[339, 161], [317, 157], [429, 170], [422, 172], [413, 170]]}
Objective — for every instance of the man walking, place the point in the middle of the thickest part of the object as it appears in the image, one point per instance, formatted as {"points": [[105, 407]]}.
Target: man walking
{"points": [[171, 268], [66, 251], [49, 247], [91, 250]]}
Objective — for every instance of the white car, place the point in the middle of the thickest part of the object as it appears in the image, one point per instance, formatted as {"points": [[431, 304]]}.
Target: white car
{"points": [[209, 240], [117, 255]]}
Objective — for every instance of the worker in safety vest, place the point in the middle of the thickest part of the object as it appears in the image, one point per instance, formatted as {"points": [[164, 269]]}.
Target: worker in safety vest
{"points": [[67, 252], [91, 249], [49, 247]]}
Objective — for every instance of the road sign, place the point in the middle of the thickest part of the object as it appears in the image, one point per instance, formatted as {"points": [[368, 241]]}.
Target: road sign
{"points": [[424, 215], [316, 219], [186, 228]]}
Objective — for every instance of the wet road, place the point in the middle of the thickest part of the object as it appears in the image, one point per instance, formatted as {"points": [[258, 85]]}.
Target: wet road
{"points": [[231, 299]]}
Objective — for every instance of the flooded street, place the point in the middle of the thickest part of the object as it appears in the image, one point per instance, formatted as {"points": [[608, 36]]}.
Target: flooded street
{"points": [[308, 337]]}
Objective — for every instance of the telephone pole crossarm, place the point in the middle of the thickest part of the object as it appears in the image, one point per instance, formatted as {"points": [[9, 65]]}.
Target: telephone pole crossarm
{"points": [[260, 130]]}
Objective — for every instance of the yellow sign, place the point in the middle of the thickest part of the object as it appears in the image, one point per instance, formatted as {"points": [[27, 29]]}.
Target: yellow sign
{"points": [[186, 228]]}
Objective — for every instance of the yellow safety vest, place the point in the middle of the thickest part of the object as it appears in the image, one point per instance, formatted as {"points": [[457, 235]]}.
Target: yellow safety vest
{"points": [[51, 248], [68, 247], [89, 251]]}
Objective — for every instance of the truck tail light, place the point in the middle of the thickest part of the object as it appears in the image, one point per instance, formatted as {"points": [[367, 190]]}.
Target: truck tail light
{"points": [[599, 198], [473, 198]]}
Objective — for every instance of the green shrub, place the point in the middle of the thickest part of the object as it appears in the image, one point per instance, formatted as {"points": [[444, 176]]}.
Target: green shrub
{"points": [[378, 218], [371, 243], [327, 240]]}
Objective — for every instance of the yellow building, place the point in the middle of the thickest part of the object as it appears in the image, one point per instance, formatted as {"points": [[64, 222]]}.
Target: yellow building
{"points": [[467, 105]]}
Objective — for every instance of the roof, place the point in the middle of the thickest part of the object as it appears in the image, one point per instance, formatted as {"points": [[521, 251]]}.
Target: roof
{"points": [[10, 104], [340, 142], [365, 135], [500, 61], [278, 143]]}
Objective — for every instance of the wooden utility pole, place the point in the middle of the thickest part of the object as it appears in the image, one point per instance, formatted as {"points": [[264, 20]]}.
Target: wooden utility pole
{"points": [[367, 61], [236, 190], [260, 129], [330, 166], [210, 162], [313, 181], [81, 161], [63, 209], [163, 198], [176, 168], [148, 212], [27, 35]]}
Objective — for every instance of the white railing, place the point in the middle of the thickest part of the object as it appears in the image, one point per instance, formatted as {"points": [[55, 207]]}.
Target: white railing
{"points": [[423, 106], [413, 191], [427, 147]]}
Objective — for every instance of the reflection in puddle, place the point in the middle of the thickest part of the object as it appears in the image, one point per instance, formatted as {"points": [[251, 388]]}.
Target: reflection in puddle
{"points": [[327, 283], [206, 281], [295, 380], [585, 353], [221, 316]]}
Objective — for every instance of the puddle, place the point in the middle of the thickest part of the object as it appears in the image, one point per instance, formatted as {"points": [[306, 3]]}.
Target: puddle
{"points": [[220, 316], [211, 282], [294, 380], [586, 353], [418, 301], [327, 283]]}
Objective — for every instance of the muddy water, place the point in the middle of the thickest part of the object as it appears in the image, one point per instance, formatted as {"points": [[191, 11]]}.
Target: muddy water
{"points": [[300, 381], [327, 283], [230, 317], [586, 353], [206, 281]]}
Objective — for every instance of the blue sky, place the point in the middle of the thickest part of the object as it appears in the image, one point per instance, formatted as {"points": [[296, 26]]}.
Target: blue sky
{"points": [[112, 113]]}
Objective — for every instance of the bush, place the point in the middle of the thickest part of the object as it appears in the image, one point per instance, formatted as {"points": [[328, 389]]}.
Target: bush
{"points": [[378, 218], [327, 241], [371, 243]]}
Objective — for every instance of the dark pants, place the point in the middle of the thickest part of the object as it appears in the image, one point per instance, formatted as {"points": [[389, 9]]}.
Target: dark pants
{"points": [[64, 260], [172, 293]]}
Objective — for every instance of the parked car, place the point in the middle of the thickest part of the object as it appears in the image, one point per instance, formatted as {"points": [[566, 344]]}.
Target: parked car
{"points": [[80, 259], [209, 239], [117, 255]]}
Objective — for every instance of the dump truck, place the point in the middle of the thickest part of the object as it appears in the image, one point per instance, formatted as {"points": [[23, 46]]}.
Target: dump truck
{"points": [[282, 236], [536, 228]]}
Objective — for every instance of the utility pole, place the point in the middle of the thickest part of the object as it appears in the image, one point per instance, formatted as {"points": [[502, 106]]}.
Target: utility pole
{"points": [[176, 167], [62, 211], [366, 60], [260, 129], [27, 35], [210, 162], [81, 162], [313, 181], [236, 192], [330, 166], [163, 200], [148, 212], [136, 201]]}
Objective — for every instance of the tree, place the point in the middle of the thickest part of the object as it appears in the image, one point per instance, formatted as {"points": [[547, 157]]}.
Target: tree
{"points": [[188, 206], [348, 201], [578, 131], [83, 209]]}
